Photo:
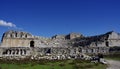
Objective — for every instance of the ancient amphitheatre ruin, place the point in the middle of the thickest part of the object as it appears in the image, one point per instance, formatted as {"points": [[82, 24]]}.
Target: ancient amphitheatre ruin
{"points": [[20, 44]]}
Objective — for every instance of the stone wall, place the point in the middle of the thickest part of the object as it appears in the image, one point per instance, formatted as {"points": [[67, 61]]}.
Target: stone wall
{"points": [[23, 39], [95, 50], [114, 39], [37, 52], [8, 42], [109, 39], [16, 39], [73, 35]]}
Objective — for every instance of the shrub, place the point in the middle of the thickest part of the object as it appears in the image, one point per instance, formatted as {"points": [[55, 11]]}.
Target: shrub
{"points": [[0, 67], [62, 64]]}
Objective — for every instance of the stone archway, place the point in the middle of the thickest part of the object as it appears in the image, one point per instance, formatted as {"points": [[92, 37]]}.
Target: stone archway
{"points": [[48, 51], [32, 43], [107, 44]]}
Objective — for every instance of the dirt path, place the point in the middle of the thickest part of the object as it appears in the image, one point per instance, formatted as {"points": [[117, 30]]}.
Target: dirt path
{"points": [[113, 64]]}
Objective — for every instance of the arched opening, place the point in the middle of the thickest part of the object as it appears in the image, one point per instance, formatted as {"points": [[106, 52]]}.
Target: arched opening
{"points": [[107, 44], [49, 51], [26, 36], [15, 34], [13, 52], [31, 43], [17, 51], [21, 52], [4, 52], [24, 52], [11, 35]]}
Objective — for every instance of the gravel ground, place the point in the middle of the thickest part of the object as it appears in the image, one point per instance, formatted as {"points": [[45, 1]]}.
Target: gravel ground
{"points": [[113, 64]]}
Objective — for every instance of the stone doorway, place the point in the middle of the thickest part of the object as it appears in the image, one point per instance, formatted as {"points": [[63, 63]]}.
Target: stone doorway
{"points": [[107, 44], [32, 43], [49, 51]]}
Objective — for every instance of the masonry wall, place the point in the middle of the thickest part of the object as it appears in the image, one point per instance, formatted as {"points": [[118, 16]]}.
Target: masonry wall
{"points": [[114, 42], [114, 39], [8, 42], [16, 39]]}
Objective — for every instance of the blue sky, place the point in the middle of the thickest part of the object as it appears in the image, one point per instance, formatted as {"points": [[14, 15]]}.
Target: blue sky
{"points": [[50, 17]]}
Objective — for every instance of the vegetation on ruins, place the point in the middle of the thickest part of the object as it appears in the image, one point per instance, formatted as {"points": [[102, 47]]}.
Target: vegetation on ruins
{"points": [[50, 64], [113, 56], [114, 53]]}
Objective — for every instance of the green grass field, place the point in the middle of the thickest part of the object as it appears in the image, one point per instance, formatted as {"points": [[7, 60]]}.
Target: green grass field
{"points": [[57, 64]]}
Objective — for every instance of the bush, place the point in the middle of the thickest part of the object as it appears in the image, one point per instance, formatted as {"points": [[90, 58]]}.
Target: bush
{"points": [[0, 67], [62, 64]]}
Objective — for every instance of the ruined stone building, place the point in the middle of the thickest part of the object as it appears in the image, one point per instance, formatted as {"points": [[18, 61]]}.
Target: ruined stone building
{"points": [[98, 44], [19, 44]]}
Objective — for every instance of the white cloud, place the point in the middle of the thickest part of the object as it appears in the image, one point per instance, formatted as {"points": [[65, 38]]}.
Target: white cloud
{"points": [[7, 24]]}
